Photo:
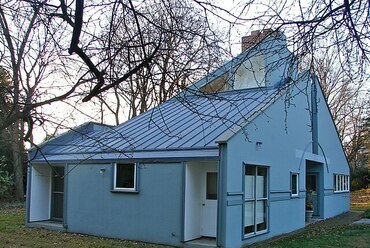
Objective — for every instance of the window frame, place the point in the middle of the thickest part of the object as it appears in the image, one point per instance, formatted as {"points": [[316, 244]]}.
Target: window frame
{"points": [[255, 201], [120, 189], [291, 184], [341, 183]]}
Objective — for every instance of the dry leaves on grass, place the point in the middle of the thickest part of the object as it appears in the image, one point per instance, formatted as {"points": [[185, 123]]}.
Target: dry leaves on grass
{"points": [[360, 199]]}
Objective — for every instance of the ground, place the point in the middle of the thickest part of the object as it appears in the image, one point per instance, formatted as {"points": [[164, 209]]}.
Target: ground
{"points": [[360, 200], [334, 232]]}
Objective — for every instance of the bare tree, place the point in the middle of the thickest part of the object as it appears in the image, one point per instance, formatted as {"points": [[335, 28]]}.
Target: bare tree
{"points": [[59, 45], [311, 26], [332, 38], [189, 48], [29, 53], [56, 51], [348, 102]]}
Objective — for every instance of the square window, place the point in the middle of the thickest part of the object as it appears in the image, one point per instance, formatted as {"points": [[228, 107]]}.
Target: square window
{"points": [[294, 184], [125, 177]]}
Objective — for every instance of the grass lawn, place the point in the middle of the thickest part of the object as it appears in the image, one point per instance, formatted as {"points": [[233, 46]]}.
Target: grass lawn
{"points": [[323, 235], [360, 200], [340, 236], [13, 233]]}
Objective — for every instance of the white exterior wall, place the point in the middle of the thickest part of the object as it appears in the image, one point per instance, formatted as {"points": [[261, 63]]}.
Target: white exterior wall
{"points": [[251, 73], [40, 196], [192, 201]]}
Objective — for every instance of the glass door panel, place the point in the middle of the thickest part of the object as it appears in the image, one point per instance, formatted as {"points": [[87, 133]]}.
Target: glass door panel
{"points": [[57, 193]]}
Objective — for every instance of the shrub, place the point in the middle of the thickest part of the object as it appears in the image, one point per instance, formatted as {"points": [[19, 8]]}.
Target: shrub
{"points": [[360, 178], [6, 179], [367, 214]]}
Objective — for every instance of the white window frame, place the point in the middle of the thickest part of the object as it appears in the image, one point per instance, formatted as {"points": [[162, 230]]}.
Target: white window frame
{"points": [[297, 184], [341, 183], [119, 189]]}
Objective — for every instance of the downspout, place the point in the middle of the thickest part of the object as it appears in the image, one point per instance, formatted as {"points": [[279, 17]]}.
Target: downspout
{"points": [[314, 117], [28, 191], [65, 196], [182, 234], [221, 201]]}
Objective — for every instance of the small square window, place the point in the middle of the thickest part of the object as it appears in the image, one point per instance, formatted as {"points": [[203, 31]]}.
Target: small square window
{"points": [[295, 184], [124, 177]]}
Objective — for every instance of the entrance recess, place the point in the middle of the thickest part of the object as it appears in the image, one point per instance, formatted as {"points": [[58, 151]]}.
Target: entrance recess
{"points": [[315, 186], [57, 193], [312, 191], [200, 200]]}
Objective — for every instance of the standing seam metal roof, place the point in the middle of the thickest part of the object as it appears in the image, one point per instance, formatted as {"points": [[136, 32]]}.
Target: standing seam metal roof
{"points": [[187, 121]]}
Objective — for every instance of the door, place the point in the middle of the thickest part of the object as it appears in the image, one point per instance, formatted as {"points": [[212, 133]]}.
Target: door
{"points": [[57, 191], [312, 192], [209, 204]]}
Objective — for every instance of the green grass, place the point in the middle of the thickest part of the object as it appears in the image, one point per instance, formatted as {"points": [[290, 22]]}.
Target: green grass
{"points": [[13, 233], [342, 236]]}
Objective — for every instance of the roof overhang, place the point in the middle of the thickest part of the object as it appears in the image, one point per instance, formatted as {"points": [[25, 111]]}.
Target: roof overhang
{"points": [[173, 155]]}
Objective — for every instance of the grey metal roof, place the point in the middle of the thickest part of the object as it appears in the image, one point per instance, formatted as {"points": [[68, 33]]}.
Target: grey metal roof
{"points": [[189, 124], [188, 121], [72, 135]]}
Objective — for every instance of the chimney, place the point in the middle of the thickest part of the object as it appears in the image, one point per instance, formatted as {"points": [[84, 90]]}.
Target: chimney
{"points": [[256, 37]]}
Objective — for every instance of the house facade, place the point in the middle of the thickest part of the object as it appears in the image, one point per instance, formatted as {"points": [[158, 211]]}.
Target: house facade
{"points": [[235, 157]]}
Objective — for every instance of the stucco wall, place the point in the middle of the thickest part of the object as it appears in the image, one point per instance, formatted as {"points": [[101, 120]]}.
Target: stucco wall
{"points": [[154, 214], [285, 136], [335, 203]]}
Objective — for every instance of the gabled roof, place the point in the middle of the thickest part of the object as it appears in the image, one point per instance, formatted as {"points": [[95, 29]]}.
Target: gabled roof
{"points": [[190, 121], [184, 122]]}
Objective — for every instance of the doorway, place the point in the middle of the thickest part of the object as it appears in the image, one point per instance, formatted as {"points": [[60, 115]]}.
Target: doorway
{"points": [[57, 193], [315, 187], [200, 200], [312, 192], [209, 204]]}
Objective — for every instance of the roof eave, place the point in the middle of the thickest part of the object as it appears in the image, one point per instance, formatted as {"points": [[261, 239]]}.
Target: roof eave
{"points": [[210, 152]]}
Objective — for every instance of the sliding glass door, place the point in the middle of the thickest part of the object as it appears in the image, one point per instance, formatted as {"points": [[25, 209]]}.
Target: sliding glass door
{"points": [[255, 199]]}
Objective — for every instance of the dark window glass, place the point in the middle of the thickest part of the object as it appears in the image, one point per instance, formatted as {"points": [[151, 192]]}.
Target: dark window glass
{"points": [[211, 185], [57, 206], [57, 193], [311, 183], [249, 170], [58, 179], [249, 229], [125, 176], [294, 184]]}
